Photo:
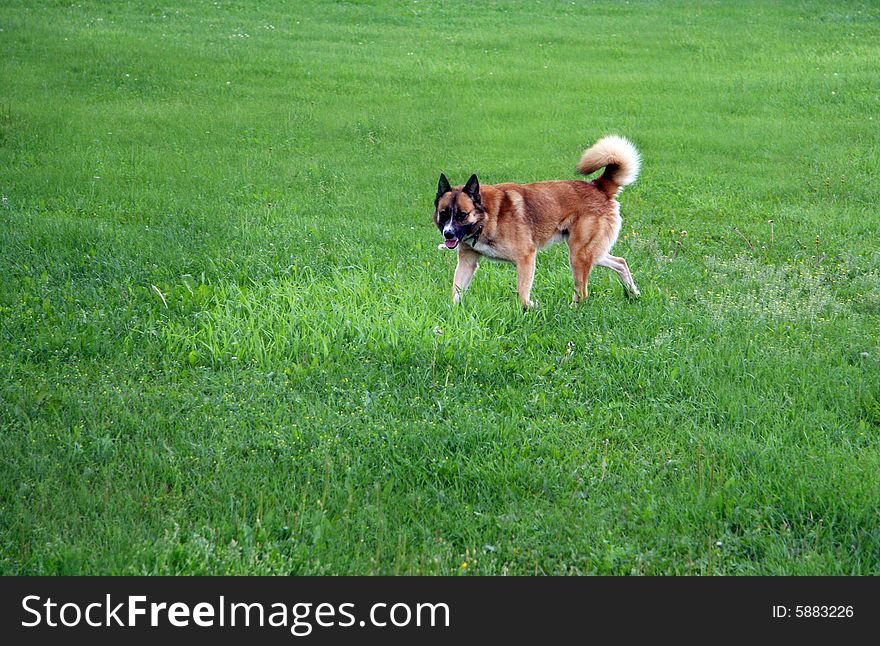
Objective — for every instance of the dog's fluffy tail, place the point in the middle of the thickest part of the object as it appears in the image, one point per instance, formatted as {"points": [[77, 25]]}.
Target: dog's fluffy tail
{"points": [[620, 159]]}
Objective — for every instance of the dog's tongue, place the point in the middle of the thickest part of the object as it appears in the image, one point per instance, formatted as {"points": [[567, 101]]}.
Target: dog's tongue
{"points": [[451, 244]]}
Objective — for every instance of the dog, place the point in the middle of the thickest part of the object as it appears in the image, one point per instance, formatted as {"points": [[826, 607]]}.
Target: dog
{"points": [[512, 222]]}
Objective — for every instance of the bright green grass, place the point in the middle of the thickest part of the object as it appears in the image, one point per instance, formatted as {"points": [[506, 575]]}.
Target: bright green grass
{"points": [[310, 402]]}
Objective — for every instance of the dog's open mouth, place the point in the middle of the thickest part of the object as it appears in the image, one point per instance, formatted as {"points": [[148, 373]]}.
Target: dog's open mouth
{"points": [[452, 244]]}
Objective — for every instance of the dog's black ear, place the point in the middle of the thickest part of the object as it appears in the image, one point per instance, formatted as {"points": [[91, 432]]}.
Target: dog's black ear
{"points": [[472, 188], [443, 187]]}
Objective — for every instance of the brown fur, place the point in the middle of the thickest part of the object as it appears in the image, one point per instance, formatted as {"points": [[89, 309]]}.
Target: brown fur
{"points": [[512, 222]]}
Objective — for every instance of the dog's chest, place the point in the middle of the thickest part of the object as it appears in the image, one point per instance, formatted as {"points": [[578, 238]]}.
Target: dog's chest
{"points": [[488, 249]]}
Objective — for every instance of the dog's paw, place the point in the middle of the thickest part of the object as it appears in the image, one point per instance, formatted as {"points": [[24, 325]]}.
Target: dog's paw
{"points": [[632, 291]]}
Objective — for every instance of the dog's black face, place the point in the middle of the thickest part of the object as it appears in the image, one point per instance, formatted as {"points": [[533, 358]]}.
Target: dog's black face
{"points": [[458, 213]]}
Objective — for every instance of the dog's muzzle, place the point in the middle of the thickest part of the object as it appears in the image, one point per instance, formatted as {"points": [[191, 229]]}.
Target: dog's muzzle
{"points": [[451, 239]]}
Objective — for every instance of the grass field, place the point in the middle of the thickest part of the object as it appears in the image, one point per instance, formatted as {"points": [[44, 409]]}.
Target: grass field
{"points": [[226, 340]]}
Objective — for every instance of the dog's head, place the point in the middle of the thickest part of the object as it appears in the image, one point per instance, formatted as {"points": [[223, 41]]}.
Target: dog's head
{"points": [[458, 212]]}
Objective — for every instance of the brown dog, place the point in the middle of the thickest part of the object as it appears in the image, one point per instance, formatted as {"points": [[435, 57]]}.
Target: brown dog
{"points": [[512, 222]]}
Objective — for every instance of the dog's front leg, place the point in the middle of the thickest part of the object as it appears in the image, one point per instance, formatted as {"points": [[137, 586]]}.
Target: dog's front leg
{"points": [[525, 274], [468, 261]]}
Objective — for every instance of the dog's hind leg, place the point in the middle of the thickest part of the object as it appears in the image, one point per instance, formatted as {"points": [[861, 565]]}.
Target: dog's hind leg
{"points": [[581, 255], [468, 261], [589, 241], [619, 265], [581, 265]]}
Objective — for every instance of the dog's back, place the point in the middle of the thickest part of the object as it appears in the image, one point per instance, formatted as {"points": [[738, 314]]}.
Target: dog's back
{"points": [[547, 209]]}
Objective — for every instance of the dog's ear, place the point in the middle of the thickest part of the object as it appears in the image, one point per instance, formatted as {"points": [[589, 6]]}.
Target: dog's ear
{"points": [[472, 188], [443, 187]]}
